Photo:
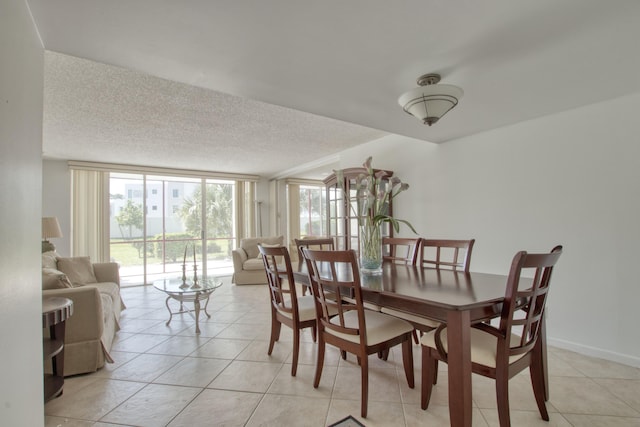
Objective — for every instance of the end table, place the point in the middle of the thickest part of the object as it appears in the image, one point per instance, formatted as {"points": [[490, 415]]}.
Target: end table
{"points": [[55, 311]]}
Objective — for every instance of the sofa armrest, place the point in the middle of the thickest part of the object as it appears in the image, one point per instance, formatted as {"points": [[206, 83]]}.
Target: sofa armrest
{"points": [[239, 257], [86, 322], [107, 272]]}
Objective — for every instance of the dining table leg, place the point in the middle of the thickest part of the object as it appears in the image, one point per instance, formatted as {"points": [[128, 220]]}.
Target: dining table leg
{"points": [[459, 367]]}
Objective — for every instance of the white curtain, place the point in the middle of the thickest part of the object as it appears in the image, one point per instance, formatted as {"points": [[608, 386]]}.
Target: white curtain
{"points": [[90, 214], [293, 218], [245, 209], [293, 202]]}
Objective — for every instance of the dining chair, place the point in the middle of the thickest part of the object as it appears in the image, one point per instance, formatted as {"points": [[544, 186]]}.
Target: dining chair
{"points": [[515, 344], [312, 242], [354, 329], [439, 254], [446, 253], [400, 250], [286, 306], [320, 243]]}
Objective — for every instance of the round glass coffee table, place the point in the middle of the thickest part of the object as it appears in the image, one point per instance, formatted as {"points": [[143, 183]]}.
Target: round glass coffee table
{"points": [[185, 293]]}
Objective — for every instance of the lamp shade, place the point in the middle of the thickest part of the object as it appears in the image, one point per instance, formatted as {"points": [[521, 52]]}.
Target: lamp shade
{"points": [[50, 227], [430, 102]]}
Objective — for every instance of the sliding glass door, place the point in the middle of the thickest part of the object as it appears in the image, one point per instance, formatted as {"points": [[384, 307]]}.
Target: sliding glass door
{"points": [[160, 223]]}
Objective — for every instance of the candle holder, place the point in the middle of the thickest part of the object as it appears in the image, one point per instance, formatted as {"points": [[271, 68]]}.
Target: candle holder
{"points": [[184, 277], [184, 284], [196, 284]]}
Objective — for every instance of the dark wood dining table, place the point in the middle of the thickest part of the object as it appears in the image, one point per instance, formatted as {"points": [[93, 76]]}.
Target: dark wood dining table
{"points": [[457, 298]]}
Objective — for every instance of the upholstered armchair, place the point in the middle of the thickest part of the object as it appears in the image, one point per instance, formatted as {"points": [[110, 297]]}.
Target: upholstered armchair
{"points": [[248, 268]]}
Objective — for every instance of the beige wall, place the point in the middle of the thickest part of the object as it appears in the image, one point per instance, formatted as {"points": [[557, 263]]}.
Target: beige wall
{"points": [[21, 79], [56, 200], [572, 179]]}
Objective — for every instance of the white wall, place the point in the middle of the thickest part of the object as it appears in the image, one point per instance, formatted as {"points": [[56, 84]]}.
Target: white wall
{"points": [[21, 80], [570, 179]]}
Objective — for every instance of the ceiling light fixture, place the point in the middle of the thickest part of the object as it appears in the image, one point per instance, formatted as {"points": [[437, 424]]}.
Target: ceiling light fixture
{"points": [[430, 101]]}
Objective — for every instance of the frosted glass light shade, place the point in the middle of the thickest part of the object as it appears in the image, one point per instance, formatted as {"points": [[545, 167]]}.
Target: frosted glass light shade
{"points": [[429, 103]]}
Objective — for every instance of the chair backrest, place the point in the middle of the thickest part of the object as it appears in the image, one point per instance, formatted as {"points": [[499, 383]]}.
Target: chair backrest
{"points": [[277, 265], [400, 250], [530, 300], [318, 243], [446, 254], [333, 274]]}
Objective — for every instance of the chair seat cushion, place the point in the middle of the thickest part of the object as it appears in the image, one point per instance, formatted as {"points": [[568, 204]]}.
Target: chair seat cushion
{"points": [[306, 308], [483, 346], [380, 327], [428, 323]]}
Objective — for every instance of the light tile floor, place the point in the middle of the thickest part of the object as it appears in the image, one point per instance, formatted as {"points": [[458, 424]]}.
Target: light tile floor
{"points": [[169, 376]]}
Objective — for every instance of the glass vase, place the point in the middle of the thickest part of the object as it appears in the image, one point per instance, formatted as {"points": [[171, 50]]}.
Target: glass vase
{"points": [[370, 249]]}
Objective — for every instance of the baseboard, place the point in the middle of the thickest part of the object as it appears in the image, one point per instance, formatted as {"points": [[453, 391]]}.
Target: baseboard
{"points": [[625, 359]]}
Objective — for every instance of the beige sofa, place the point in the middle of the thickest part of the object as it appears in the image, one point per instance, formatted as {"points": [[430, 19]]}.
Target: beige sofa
{"points": [[94, 289], [247, 263]]}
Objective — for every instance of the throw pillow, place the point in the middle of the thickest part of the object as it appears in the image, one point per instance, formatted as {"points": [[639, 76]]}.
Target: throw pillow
{"points": [[54, 279], [50, 260], [267, 245], [79, 270]]}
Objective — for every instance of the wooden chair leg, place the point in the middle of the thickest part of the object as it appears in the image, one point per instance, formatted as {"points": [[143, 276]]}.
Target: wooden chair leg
{"points": [[319, 362], [296, 351], [407, 361], [275, 334], [415, 336], [364, 374], [537, 372], [502, 397], [429, 366]]}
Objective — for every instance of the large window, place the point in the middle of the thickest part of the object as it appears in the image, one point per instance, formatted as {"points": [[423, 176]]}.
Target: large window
{"points": [[152, 236], [306, 205], [152, 220], [312, 211]]}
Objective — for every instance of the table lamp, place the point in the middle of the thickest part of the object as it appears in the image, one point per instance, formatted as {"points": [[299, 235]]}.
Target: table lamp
{"points": [[50, 229]]}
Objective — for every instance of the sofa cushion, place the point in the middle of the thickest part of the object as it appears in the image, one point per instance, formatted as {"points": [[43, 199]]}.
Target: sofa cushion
{"points": [[79, 270], [108, 288], [54, 279], [107, 307], [250, 245], [253, 264], [267, 245], [50, 260]]}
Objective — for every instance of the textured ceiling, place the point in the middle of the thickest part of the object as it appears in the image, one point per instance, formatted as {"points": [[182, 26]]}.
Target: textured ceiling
{"points": [[96, 112], [247, 70]]}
